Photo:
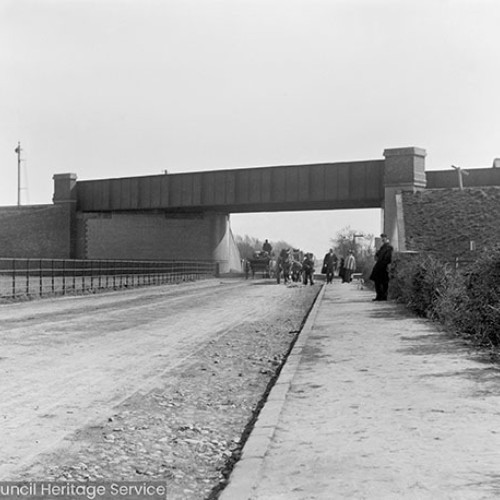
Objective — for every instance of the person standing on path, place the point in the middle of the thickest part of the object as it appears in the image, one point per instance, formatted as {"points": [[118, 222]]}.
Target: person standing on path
{"points": [[350, 267], [380, 271], [342, 269], [308, 269], [329, 265]]}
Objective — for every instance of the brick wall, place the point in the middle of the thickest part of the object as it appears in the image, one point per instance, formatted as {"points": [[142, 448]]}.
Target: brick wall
{"points": [[143, 236], [35, 231], [45, 231], [445, 220], [475, 177]]}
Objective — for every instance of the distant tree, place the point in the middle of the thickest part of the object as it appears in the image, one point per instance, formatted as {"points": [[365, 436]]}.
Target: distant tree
{"points": [[247, 245], [362, 244]]}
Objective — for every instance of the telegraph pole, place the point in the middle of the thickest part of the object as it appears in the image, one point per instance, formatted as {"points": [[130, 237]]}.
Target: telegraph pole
{"points": [[460, 174], [18, 151]]}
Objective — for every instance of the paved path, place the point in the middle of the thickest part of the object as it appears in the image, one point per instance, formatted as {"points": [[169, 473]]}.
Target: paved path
{"points": [[374, 404]]}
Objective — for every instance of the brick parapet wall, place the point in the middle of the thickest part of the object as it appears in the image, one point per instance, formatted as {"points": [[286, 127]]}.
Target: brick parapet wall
{"points": [[446, 220], [35, 231], [138, 236]]}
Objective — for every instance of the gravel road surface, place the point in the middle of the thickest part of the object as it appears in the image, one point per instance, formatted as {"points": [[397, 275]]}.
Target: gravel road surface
{"points": [[152, 383]]}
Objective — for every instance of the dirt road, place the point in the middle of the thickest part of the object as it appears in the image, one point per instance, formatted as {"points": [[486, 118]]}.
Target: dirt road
{"points": [[67, 362]]}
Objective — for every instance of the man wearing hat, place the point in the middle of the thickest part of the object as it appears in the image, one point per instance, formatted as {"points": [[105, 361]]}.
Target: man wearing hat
{"points": [[380, 272], [329, 265]]}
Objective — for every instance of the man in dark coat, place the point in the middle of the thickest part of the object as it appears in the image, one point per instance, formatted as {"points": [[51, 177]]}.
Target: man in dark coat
{"points": [[266, 247], [329, 265], [380, 272], [308, 269]]}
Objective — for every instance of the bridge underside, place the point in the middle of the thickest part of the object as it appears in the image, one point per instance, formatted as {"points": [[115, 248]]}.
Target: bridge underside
{"points": [[288, 188]]}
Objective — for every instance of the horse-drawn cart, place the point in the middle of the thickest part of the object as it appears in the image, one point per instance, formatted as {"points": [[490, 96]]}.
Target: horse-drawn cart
{"points": [[259, 263]]}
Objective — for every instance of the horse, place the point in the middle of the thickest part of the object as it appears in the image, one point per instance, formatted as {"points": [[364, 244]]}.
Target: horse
{"points": [[296, 271], [283, 266], [273, 268]]}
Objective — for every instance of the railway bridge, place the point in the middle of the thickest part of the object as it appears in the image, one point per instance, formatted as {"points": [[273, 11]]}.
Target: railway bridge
{"points": [[186, 215]]}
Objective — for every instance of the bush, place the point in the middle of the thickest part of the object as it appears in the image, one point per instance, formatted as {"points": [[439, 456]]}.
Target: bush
{"points": [[466, 301], [420, 282], [481, 305], [452, 304]]}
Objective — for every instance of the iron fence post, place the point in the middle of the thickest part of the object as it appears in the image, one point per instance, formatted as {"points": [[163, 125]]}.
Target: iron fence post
{"points": [[52, 276], [100, 273], [13, 278], [64, 276], [27, 277], [83, 270]]}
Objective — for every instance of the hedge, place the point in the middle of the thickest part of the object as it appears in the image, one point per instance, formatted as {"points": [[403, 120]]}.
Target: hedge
{"points": [[465, 300]]}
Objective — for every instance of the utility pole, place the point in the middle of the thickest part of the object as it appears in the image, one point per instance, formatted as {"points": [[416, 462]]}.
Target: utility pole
{"points": [[18, 151], [460, 173]]}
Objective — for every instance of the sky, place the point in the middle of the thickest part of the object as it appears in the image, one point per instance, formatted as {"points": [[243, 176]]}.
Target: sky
{"points": [[119, 88]]}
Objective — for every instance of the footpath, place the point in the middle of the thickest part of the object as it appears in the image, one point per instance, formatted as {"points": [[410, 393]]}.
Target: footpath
{"points": [[374, 403]]}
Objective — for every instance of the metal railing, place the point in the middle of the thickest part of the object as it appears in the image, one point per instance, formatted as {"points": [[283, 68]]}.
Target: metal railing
{"points": [[48, 277]]}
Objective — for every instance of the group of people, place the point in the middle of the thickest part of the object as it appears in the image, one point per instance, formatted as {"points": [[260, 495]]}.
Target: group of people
{"points": [[347, 266], [297, 267], [308, 269], [285, 263]]}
